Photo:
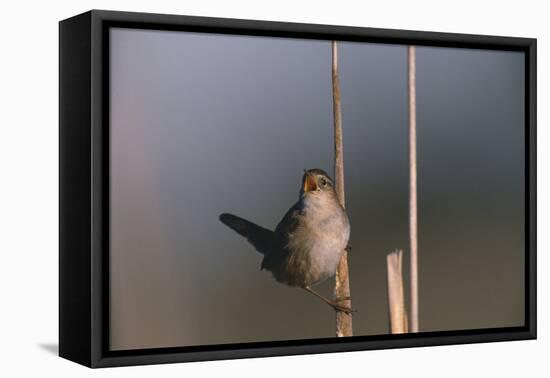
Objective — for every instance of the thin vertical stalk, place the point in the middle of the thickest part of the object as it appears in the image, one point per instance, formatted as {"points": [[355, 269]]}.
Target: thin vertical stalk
{"points": [[341, 286], [413, 222], [396, 292]]}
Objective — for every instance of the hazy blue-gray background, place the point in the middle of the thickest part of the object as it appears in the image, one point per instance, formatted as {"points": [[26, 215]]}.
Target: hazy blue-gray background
{"points": [[204, 124]]}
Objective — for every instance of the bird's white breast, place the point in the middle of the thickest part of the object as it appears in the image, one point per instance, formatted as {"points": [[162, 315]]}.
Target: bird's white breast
{"points": [[323, 237]]}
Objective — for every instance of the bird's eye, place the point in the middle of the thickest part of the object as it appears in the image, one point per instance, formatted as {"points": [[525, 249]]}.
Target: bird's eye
{"points": [[323, 182]]}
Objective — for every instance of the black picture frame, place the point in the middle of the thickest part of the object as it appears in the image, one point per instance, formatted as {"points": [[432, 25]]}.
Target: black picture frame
{"points": [[84, 184]]}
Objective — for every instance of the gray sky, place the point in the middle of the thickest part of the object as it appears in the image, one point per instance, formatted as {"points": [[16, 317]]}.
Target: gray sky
{"points": [[203, 124]]}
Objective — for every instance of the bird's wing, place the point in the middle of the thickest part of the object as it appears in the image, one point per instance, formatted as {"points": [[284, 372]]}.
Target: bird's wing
{"points": [[261, 238], [286, 226], [289, 222]]}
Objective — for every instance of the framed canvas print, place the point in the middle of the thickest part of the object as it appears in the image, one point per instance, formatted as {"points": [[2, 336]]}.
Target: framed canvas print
{"points": [[233, 188]]}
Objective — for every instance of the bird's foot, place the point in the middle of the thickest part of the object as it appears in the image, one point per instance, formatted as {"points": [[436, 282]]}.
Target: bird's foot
{"points": [[341, 299], [335, 303], [337, 307]]}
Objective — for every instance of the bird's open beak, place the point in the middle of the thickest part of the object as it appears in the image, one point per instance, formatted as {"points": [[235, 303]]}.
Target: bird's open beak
{"points": [[309, 183]]}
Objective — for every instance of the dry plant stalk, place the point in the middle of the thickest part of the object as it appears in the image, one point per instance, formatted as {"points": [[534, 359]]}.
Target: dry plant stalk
{"points": [[413, 222], [396, 293], [341, 286]]}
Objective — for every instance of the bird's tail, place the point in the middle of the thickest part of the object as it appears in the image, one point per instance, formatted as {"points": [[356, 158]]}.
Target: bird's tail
{"points": [[261, 238]]}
